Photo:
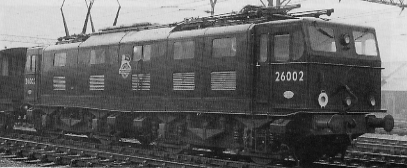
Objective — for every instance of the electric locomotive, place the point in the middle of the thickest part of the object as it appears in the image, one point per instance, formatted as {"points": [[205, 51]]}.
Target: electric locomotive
{"points": [[261, 84]]}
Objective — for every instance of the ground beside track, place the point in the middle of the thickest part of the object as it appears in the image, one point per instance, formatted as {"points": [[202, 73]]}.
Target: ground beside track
{"points": [[4, 162]]}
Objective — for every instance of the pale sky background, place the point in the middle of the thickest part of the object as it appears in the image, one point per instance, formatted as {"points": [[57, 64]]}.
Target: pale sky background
{"points": [[42, 18]]}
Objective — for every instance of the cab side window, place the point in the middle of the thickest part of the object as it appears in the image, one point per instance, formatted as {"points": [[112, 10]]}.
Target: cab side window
{"points": [[282, 47]]}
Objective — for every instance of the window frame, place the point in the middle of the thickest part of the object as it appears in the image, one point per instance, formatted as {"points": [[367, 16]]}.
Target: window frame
{"points": [[59, 64], [264, 46], [289, 48], [183, 51], [5, 66], [143, 52], [334, 43], [31, 64], [97, 59], [232, 50], [363, 48]]}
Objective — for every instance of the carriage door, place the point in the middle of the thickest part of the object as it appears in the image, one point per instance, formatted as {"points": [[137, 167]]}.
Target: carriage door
{"points": [[262, 67], [31, 79]]}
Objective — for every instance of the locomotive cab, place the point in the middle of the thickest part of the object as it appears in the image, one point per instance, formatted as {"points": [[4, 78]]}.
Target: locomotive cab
{"points": [[31, 79], [319, 66], [323, 77]]}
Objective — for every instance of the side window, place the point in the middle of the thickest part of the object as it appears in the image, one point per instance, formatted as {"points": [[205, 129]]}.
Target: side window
{"points": [[263, 47], [142, 53], [137, 52], [184, 50], [282, 47], [59, 59], [97, 56], [365, 43], [224, 47]]}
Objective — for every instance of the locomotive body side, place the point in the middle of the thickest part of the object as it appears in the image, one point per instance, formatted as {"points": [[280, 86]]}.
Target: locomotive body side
{"points": [[154, 83]]}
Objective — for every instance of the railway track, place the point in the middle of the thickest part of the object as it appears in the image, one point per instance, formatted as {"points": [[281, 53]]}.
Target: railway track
{"points": [[51, 152], [372, 150]]}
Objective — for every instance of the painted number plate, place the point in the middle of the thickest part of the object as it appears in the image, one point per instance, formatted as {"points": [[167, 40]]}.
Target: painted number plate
{"points": [[287, 76], [30, 81]]}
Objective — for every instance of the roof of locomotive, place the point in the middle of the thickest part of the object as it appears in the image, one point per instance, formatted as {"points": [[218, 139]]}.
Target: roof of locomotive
{"points": [[146, 35], [161, 33], [229, 23], [116, 37], [6, 50], [104, 39], [63, 46], [132, 36], [310, 20]]}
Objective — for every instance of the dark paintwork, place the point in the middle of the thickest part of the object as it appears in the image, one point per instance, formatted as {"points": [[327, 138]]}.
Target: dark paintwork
{"points": [[259, 95], [11, 86]]}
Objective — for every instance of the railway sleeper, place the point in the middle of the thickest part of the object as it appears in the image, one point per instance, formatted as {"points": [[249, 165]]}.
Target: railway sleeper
{"points": [[50, 164], [35, 161], [20, 159]]}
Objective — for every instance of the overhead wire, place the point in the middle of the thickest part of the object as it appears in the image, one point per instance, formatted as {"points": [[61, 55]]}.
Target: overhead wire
{"points": [[163, 13], [175, 10], [143, 10], [157, 8]]}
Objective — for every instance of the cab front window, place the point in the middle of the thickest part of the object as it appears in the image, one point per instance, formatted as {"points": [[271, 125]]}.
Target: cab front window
{"points": [[30, 64], [365, 43], [322, 39]]}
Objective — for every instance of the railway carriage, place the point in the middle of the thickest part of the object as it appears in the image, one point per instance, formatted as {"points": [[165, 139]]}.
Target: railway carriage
{"points": [[12, 63], [264, 87]]}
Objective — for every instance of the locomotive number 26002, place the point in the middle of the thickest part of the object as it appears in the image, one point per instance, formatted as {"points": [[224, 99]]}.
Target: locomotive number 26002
{"points": [[289, 76]]}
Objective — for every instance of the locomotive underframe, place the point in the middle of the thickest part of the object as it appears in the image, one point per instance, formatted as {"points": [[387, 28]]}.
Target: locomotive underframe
{"points": [[249, 135]]}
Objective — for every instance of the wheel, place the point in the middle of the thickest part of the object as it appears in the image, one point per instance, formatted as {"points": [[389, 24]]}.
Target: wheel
{"points": [[306, 155]]}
